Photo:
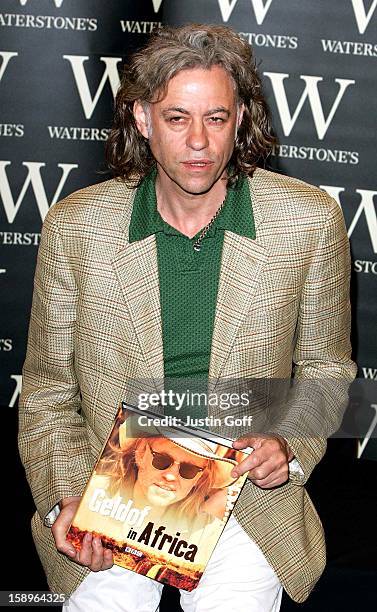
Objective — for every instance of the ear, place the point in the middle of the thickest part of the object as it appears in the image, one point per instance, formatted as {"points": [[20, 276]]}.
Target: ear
{"points": [[140, 119]]}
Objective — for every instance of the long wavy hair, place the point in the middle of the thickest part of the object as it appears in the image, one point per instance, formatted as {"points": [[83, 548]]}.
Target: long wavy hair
{"points": [[146, 76], [121, 466]]}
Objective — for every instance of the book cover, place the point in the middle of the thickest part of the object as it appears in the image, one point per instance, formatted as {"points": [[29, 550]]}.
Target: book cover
{"points": [[159, 497]]}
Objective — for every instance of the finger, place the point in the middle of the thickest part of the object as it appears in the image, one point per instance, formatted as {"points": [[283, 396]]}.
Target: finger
{"points": [[265, 470], [270, 484], [84, 556], [264, 449], [251, 462], [241, 468], [97, 555], [245, 441], [108, 560], [275, 466], [267, 478]]}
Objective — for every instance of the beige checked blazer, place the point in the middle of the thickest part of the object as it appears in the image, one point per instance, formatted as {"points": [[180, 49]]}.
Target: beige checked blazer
{"points": [[283, 299]]}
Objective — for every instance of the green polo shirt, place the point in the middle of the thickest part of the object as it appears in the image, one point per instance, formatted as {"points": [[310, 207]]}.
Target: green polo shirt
{"points": [[188, 282]]}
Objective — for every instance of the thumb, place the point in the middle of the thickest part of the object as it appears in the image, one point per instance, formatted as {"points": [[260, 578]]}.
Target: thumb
{"points": [[60, 528]]}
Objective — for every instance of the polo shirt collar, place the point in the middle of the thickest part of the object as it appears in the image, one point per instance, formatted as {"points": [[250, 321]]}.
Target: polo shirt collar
{"points": [[236, 215]]}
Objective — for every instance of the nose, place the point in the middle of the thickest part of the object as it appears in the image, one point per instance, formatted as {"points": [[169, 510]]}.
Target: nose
{"points": [[171, 473], [197, 138]]}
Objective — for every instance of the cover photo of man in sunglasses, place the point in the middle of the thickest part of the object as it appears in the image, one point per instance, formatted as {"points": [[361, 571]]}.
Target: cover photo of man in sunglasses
{"points": [[159, 499]]}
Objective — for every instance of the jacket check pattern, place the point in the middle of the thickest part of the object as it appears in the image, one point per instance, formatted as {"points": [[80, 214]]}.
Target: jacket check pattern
{"points": [[95, 329]]}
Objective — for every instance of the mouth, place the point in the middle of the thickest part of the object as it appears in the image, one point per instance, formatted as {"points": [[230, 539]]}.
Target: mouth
{"points": [[161, 494], [197, 164], [164, 487]]}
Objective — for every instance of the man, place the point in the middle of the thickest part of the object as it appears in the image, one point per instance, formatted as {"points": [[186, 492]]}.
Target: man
{"points": [[211, 267]]}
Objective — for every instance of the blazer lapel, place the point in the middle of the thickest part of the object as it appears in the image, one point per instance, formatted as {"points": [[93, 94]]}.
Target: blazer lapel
{"points": [[242, 263], [136, 269], [243, 260]]}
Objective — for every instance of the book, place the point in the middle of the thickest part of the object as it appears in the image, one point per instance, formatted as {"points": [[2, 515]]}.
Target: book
{"points": [[159, 496]]}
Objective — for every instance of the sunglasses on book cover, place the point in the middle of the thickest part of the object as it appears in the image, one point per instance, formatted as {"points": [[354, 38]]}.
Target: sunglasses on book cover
{"points": [[163, 461]]}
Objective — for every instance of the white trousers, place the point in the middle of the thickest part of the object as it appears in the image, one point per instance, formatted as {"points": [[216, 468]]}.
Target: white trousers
{"points": [[237, 579]]}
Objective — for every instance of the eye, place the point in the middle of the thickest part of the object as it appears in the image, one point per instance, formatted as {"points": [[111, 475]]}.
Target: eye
{"points": [[216, 120], [177, 119]]}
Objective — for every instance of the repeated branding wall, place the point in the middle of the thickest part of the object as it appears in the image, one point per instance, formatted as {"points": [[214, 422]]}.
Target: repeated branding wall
{"points": [[60, 64]]}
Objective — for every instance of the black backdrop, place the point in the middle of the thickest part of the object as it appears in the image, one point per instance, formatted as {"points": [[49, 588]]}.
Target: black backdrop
{"points": [[60, 62]]}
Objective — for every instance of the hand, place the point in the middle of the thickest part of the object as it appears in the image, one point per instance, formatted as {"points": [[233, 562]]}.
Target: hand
{"points": [[268, 463], [92, 554]]}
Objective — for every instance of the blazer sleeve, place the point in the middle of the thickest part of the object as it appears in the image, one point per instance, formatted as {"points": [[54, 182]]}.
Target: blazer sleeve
{"points": [[53, 440], [323, 369]]}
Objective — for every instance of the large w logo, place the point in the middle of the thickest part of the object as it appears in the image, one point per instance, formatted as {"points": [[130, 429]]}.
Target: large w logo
{"points": [[110, 74], [33, 179], [309, 93], [260, 9], [227, 7]]}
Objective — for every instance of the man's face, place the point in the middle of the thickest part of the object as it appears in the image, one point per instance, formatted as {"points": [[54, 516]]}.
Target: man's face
{"points": [[162, 487], [192, 130]]}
